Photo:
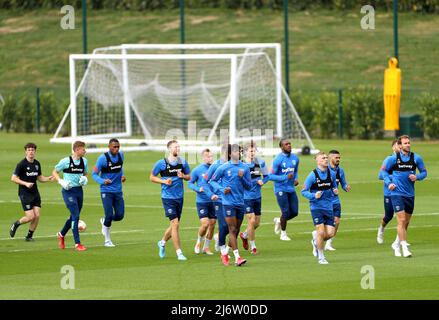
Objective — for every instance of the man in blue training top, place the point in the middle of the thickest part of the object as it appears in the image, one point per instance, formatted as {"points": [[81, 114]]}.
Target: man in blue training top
{"points": [[320, 187], [334, 166], [75, 169], [253, 197], [110, 167], [205, 202], [402, 167], [223, 229], [388, 208], [235, 177], [285, 164], [173, 170]]}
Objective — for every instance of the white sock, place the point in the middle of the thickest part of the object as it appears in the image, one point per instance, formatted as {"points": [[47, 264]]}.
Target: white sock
{"points": [[200, 239], [245, 234], [404, 244], [314, 234], [236, 254], [162, 243], [224, 250], [179, 252], [252, 244], [107, 233], [397, 240], [320, 254], [329, 241], [283, 233], [381, 229], [206, 244], [216, 237]]}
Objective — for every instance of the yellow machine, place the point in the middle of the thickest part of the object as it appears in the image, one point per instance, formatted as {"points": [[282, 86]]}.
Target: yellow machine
{"points": [[392, 95]]}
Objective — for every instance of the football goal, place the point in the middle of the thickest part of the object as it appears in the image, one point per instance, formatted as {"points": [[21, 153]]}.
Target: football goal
{"points": [[200, 94]]}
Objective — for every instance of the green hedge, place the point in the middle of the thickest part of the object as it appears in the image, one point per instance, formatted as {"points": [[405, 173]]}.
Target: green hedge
{"points": [[425, 6], [362, 114], [429, 106], [19, 114]]}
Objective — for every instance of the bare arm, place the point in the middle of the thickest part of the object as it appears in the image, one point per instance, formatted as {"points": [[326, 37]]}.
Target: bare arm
{"points": [[17, 180], [156, 179], [42, 178]]}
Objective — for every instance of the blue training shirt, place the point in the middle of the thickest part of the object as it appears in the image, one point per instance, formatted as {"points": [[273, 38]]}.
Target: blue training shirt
{"points": [[116, 178], [227, 176], [210, 173], [199, 178], [72, 178], [342, 181], [404, 186], [325, 201], [386, 190], [284, 164], [264, 175], [176, 189]]}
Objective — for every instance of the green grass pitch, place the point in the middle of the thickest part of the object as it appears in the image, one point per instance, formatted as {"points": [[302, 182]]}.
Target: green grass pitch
{"points": [[282, 270]]}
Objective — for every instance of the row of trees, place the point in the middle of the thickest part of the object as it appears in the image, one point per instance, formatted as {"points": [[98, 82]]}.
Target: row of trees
{"points": [[362, 113], [426, 6]]}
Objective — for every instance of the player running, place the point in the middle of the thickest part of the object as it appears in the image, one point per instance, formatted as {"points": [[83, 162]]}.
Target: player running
{"points": [[235, 177], [74, 170], [205, 202], [388, 208], [173, 170], [320, 187], [402, 167], [334, 166], [108, 172], [26, 174]]}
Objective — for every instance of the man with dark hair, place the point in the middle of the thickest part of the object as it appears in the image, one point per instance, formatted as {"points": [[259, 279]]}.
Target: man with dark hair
{"points": [[253, 197], [334, 167], [285, 164], [75, 169], [320, 187], [232, 178], [388, 208], [110, 167], [402, 169], [204, 202], [26, 174], [173, 170]]}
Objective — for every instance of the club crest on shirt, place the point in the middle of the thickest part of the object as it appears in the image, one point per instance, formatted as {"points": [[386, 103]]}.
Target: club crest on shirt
{"points": [[28, 168], [229, 173], [284, 164], [294, 162], [36, 166]]}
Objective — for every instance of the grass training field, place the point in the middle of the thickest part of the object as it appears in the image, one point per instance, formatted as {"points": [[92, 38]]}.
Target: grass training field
{"points": [[282, 270]]}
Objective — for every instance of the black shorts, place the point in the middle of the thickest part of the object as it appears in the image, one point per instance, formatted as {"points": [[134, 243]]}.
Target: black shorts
{"points": [[30, 200]]}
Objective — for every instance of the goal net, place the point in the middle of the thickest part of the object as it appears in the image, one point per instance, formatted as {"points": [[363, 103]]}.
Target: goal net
{"points": [[198, 94]]}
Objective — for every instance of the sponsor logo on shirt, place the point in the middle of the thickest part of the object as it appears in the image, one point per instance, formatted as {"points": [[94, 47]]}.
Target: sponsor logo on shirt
{"points": [[31, 174]]}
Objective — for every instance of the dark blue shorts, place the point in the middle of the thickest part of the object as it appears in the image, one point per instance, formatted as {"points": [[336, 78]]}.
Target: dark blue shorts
{"points": [[288, 203], [206, 210], [234, 211], [401, 203], [253, 206], [388, 209], [173, 208], [336, 209], [320, 216]]}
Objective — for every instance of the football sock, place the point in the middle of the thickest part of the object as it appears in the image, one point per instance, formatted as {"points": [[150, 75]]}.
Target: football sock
{"points": [[236, 254], [30, 233], [206, 244]]}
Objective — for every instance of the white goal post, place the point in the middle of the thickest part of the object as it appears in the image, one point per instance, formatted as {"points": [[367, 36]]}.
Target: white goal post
{"points": [[145, 94]]}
